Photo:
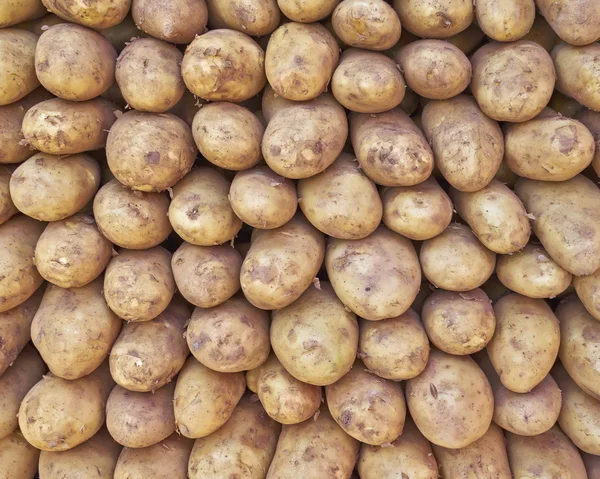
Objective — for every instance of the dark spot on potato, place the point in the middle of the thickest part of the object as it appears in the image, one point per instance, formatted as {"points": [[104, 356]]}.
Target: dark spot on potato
{"points": [[591, 334], [346, 418], [152, 158]]}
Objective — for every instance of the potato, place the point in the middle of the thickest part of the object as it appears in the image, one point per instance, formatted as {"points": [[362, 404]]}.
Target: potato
{"points": [[451, 401], [96, 457], [272, 102], [394, 348], [40, 24], [187, 107], [546, 455], [468, 146], [18, 458], [577, 23], [588, 290], [306, 11], [564, 105], [19, 277], [505, 21], [7, 207], [512, 81], [16, 11], [57, 414], [309, 46], [467, 40], [496, 216], [244, 446], [17, 66], [74, 62], [168, 458], [96, 15], [591, 119], [455, 260], [121, 34], [566, 220], [495, 289], [542, 34], [174, 22], [255, 18], [318, 448], [432, 19], [576, 73], [321, 349], [525, 343]]}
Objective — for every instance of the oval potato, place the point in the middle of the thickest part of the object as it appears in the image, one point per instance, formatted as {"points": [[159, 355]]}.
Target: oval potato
{"points": [[18, 458], [577, 23], [307, 11], [96, 15], [17, 64], [432, 19], [16, 11], [178, 21], [588, 290], [256, 18], [577, 73], [505, 21]]}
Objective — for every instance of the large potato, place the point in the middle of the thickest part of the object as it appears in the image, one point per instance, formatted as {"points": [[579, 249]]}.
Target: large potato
{"points": [[525, 344], [256, 17], [204, 399], [97, 15], [17, 65], [451, 401], [542, 34], [306, 11], [16, 11], [434, 19], [505, 21], [468, 146], [577, 73], [588, 290], [315, 338], [51, 188], [18, 458], [178, 21], [591, 119], [576, 22]]}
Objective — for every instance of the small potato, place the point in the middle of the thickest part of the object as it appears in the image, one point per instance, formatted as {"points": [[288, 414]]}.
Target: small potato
{"points": [[74, 62], [577, 73], [137, 419], [433, 19], [300, 60], [147, 355], [57, 414], [255, 18], [244, 446], [506, 176], [505, 21], [7, 207], [377, 277], [17, 65], [575, 22], [526, 342], [591, 119], [495, 289], [252, 379], [200, 211], [390, 148], [178, 21], [542, 34], [394, 348], [228, 135], [16, 11], [306, 11], [467, 40], [512, 81], [224, 65], [455, 260], [496, 216], [263, 199], [51, 188], [187, 107], [18, 458], [321, 350], [564, 105], [588, 290], [121, 34], [271, 102], [40, 24], [459, 323], [532, 272], [96, 15], [150, 151], [468, 146], [451, 401], [148, 73]]}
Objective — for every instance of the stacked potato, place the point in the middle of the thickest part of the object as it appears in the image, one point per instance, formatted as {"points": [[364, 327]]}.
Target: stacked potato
{"points": [[374, 226]]}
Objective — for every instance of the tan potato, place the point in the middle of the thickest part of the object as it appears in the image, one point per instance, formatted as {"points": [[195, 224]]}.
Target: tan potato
{"points": [[455, 260], [575, 22], [244, 446], [17, 65], [306, 11], [541, 33], [495, 289], [57, 414], [96, 15], [506, 176], [178, 21], [468, 146], [591, 119], [40, 24], [7, 207], [496, 216], [432, 19], [505, 21], [16, 11], [187, 107], [467, 40], [121, 34], [256, 18], [18, 458], [564, 105], [272, 102], [566, 219], [588, 290], [252, 379]]}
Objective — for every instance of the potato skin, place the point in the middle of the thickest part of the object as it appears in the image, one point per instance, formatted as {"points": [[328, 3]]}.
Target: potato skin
{"points": [[541, 33], [577, 23], [307, 11], [17, 11], [591, 120], [174, 22], [256, 18], [97, 15], [17, 66], [506, 21], [588, 290], [18, 458], [432, 19]]}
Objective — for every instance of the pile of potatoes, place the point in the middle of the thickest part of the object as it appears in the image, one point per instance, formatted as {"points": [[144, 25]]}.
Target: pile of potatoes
{"points": [[299, 239]]}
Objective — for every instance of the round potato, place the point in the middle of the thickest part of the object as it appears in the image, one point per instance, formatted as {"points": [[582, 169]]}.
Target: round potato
{"points": [[17, 64], [18, 458], [17, 11], [588, 290], [307, 11], [256, 18], [7, 207], [591, 119], [177, 21], [577, 73], [505, 21], [433, 19], [542, 34], [96, 15], [577, 23]]}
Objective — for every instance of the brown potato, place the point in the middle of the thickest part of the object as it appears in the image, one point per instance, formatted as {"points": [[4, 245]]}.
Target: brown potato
{"points": [[467, 40], [255, 18], [178, 21], [17, 65], [592, 465], [42, 23], [18, 458], [577, 73], [432, 19], [505, 21], [506, 176], [542, 34], [7, 207], [577, 23], [252, 379], [121, 34], [588, 290], [16, 11], [187, 107], [96, 15], [307, 11], [591, 119], [495, 289], [564, 105]]}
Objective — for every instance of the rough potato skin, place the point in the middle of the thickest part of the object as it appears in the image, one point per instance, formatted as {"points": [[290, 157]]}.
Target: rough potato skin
{"points": [[17, 66], [588, 290], [505, 21], [576, 22], [174, 22], [96, 15], [591, 119], [7, 207], [307, 11], [434, 19], [17, 11], [256, 18], [18, 458]]}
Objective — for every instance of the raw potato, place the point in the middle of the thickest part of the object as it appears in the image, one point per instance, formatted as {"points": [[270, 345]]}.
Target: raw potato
{"points": [[368, 24], [148, 73], [57, 414], [150, 151], [512, 81], [456, 260], [17, 11], [148, 355], [41, 24], [542, 34], [18, 458], [308, 46], [526, 342], [179, 21], [394, 348], [577, 73], [204, 399], [256, 18], [74, 329], [506, 176], [495, 289], [532, 272], [459, 323], [496, 216], [97, 15], [263, 199], [7, 207], [228, 135], [591, 119], [200, 211], [314, 449], [505, 21], [451, 401], [315, 338], [243, 447], [187, 107], [468, 146], [588, 290], [75, 62], [121, 35], [306, 11], [575, 22], [592, 465], [17, 66], [564, 105], [467, 40], [434, 19], [252, 379], [224, 65], [51, 188], [137, 419]]}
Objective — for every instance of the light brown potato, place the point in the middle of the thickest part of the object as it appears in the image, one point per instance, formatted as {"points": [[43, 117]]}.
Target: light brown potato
{"points": [[506, 176], [496, 216], [57, 414], [7, 207], [42, 23], [575, 22], [452, 391], [309, 46], [96, 15], [16, 11], [591, 119], [432, 19], [187, 107], [17, 65], [456, 260], [18, 458], [577, 73], [467, 40], [588, 290], [147, 355], [468, 146], [495, 289], [542, 34], [255, 18], [319, 351], [168, 458], [306, 11], [244, 446], [272, 102], [532, 272], [252, 379], [564, 105], [121, 34], [525, 344], [566, 220], [505, 21], [174, 22]]}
